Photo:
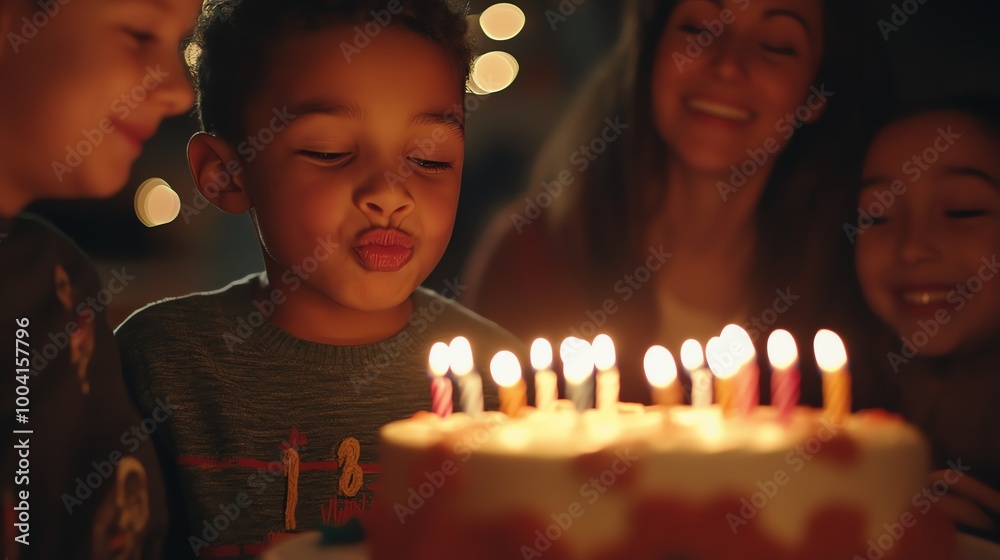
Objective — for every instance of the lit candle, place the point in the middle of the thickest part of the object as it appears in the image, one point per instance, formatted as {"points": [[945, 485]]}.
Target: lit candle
{"points": [[470, 385], [608, 378], [437, 364], [661, 372], [546, 389], [506, 371], [746, 383], [578, 368], [724, 368], [693, 361], [831, 356], [784, 356]]}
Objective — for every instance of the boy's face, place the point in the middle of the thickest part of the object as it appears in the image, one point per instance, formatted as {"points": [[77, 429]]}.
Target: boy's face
{"points": [[84, 87], [929, 263], [364, 181]]}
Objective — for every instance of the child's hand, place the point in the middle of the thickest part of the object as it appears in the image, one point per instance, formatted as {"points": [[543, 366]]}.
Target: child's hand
{"points": [[969, 502]]}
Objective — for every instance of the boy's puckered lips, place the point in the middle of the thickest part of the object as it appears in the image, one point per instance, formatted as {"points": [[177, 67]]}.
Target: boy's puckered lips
{"points": [[384, 249]]}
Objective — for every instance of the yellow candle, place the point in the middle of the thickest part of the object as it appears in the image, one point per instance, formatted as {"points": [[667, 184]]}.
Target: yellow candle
{"points": [[724, 366], [661, 372], [608, 378], [506, 371], [831, 356], [546, 385]]}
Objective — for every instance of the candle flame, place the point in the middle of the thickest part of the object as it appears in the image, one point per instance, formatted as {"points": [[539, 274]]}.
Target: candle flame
{"points": [[604, 352], [829, 349], [781, 349], [691, 355], [578, 359], [722, 363], [439, 359], [505, 368], [738, 344], [661, 370], [541, 354], [461, 355]]}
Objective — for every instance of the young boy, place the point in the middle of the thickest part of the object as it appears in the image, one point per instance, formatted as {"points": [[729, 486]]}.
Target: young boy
{"points": [[81, 479], [339, 127], [928, 267]]}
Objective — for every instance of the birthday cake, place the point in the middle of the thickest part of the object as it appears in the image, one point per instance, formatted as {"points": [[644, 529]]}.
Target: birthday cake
{"points": [[655, 482]]}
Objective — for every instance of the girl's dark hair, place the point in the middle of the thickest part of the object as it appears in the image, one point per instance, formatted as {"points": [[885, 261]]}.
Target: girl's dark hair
{"points": [[229, 52], [808, 186]]}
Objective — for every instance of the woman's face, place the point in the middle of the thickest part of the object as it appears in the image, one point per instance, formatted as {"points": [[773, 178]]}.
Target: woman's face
{"points": [[732, 80]]}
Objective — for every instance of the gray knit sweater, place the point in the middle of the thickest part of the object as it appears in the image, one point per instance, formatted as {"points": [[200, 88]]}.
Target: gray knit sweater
{"points": [[245, 393]]}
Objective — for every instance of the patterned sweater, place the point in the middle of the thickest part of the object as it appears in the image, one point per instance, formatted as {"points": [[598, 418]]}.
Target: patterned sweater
{"points": [[81, 479], [272, 433]]}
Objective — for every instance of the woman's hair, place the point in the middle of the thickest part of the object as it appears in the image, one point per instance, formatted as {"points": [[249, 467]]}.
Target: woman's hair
{"points": [[601, 219], [233, 40]]}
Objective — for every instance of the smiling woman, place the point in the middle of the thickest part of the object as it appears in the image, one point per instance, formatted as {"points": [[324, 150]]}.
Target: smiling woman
{"points": [[740, 126]]}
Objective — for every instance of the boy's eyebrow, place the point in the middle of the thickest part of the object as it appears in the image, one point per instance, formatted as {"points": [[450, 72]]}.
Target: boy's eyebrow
{"points": [[789, 13], [972, 172], [350, 110], [448, 120]]}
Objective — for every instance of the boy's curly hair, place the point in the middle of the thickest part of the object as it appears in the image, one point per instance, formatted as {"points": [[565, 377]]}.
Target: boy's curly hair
{"points": [[228, 52]]}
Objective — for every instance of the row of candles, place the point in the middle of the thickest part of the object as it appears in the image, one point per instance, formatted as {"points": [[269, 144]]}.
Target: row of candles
{"points": [[731, 377]]}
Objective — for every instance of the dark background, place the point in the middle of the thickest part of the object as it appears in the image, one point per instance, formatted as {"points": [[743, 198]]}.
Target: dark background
{"points": [[945, 47]]}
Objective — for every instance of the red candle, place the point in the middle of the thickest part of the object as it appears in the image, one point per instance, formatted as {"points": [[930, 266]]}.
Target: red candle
{"points": [[440, 385], [738, 344], [785, 376]]}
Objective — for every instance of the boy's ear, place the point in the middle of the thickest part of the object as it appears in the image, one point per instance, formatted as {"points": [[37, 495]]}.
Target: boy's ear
{"points": [[217, 173]]}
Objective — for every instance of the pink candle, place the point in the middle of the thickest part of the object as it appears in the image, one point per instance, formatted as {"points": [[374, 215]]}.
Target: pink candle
{"points": [[746, 392], [785, 377], [438, 363]]}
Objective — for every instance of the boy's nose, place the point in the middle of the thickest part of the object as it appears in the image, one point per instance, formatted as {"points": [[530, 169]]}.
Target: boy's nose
{"points": [[175, 93], [385, 202], [917, 244], [728, 60]]}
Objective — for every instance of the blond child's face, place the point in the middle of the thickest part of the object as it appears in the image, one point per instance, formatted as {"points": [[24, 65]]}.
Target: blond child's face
{"points": [[364, 180], [84, 87], [928, 263], [732, 78]]}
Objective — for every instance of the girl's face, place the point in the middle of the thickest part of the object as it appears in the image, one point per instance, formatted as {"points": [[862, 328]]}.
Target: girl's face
{"points": [[928, 256], [731, 79], [88, 84]]}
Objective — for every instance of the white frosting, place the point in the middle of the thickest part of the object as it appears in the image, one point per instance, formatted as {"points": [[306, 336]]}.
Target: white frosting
{"points": [[509, 465]]}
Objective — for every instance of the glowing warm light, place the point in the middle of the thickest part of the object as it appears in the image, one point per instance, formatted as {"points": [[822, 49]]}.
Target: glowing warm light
{"points": [[505, 369], [691, 355], [722, 363], [541, 354], [737, 343], [439, 359], [661, 370], [502, 21], [461, 355], [578, 359], [830, 352], [604, 352], [156, 203], [781, 349], [493, 71]]}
